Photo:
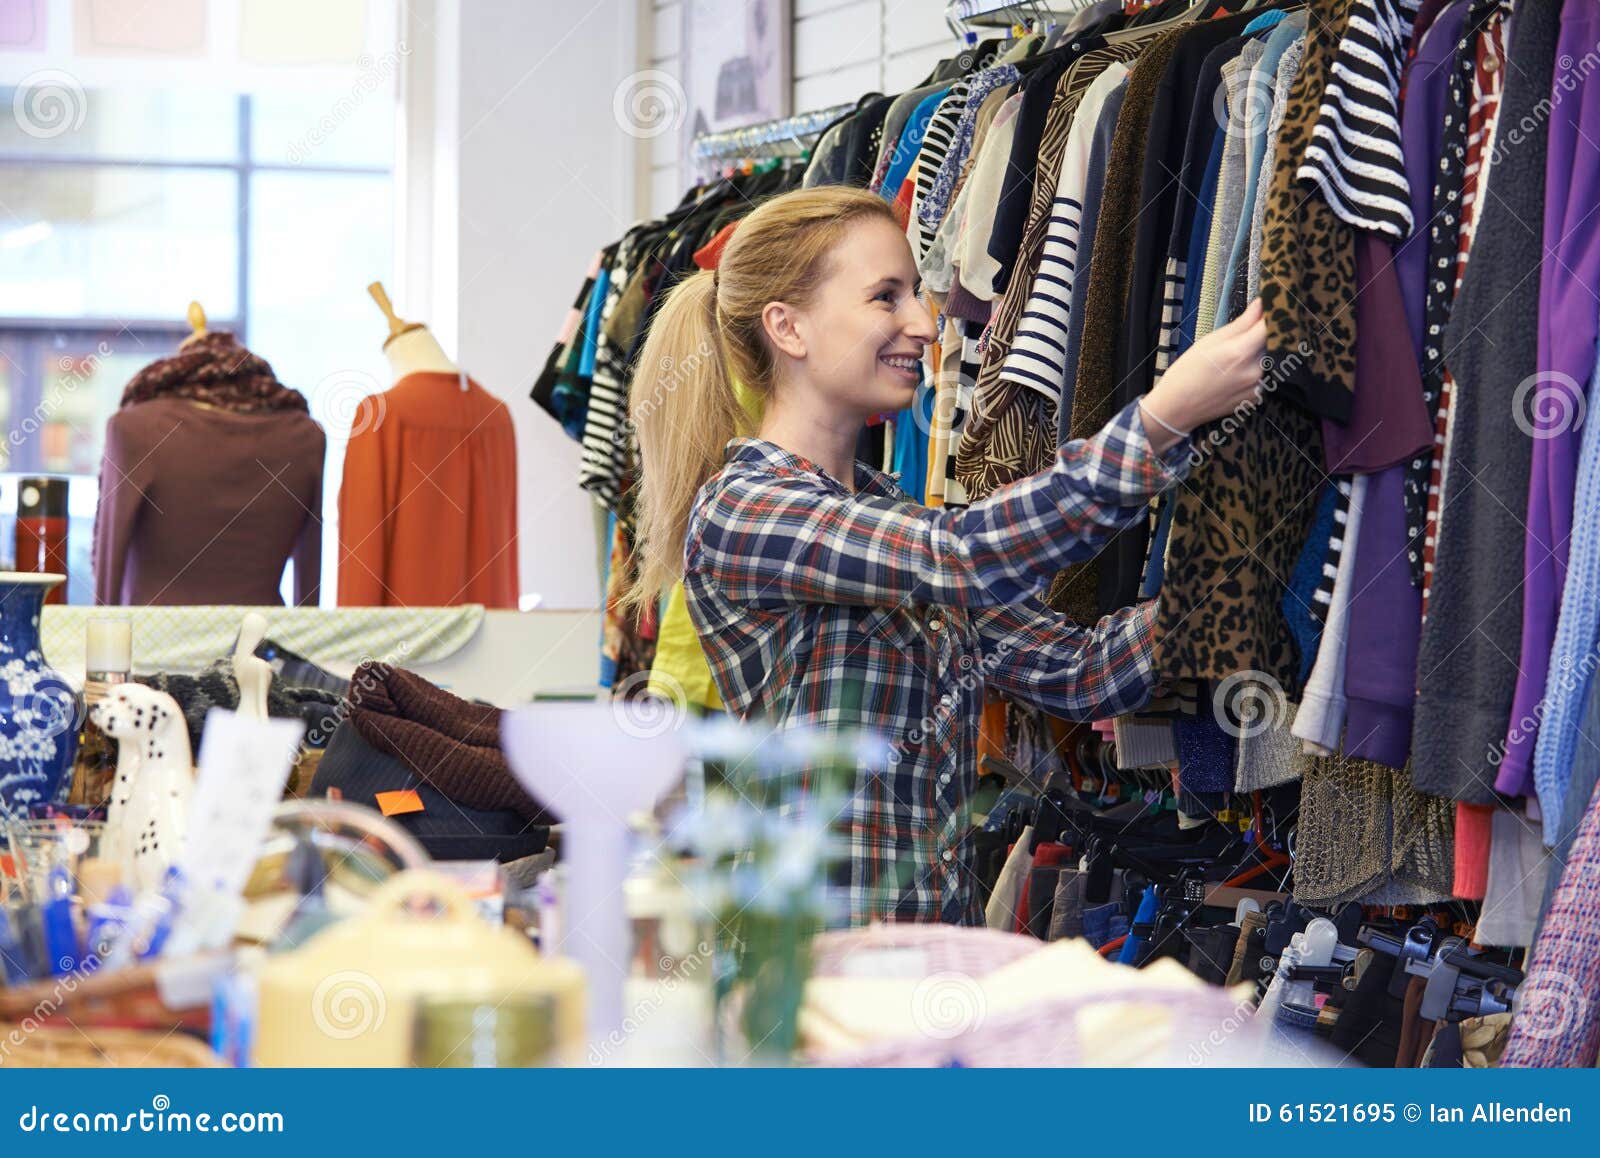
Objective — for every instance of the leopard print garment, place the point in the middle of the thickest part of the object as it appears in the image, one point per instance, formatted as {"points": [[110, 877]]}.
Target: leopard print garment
{"points": [[1308, 255], [1242, 516], [1238, 525]]}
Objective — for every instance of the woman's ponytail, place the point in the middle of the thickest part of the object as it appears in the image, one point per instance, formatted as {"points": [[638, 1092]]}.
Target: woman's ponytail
{"points": [[683, 406], [708, 335]]}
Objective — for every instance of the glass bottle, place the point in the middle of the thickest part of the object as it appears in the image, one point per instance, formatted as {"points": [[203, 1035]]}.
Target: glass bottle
{"points": [[41, 530], [108, 662]]}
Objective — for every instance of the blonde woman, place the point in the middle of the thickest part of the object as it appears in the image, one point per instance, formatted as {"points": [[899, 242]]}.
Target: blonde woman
{"points": [[821, 594]]}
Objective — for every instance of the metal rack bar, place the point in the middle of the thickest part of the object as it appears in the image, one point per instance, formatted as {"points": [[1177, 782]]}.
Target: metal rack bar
{"points": [[742, 142], [962, 15]]}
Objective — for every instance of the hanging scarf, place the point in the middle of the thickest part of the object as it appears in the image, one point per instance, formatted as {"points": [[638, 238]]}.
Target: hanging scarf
{"points": [[213, 368]]}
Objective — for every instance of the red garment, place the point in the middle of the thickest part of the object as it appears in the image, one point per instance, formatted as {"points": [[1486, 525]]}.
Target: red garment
{"points": [[709, 255], [428, 509], [1473, 825], [902, 202], [1043, 857]]}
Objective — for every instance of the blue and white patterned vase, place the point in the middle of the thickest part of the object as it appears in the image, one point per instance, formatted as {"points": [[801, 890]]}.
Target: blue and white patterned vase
{"points": [[40, 712]]}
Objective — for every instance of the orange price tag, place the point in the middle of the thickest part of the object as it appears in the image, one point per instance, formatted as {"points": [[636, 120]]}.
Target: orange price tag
{"points": [[399, 803]]}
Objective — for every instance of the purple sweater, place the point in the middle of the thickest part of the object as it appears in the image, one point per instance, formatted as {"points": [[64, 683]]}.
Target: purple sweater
{"points": [[1380, 679], [1389, 421], [1553, 407]]}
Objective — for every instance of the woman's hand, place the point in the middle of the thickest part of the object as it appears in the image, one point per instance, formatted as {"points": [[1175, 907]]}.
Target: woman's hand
{"points": [[1213, 377]]}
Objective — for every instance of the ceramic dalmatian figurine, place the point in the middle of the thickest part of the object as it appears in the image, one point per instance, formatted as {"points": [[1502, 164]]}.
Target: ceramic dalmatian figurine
{"points": [[148, 818]]}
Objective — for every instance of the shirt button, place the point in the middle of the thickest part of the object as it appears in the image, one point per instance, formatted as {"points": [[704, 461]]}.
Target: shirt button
{"points": [[948, 856], [935, 624], [946, 700], [945, 779]]}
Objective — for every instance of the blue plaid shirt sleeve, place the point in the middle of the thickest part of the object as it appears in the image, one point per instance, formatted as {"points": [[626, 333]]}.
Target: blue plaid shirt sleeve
{"points": [[1043, 659], [771, 542]]}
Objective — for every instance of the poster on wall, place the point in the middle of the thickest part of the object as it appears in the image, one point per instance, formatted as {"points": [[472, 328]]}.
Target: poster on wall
{"points": [[736, 64]]}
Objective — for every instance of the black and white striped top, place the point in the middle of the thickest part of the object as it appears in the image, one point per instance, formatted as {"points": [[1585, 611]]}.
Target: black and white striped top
{"points": [[1322, 598], [935, 144], [607, 433], [1354, 156]]}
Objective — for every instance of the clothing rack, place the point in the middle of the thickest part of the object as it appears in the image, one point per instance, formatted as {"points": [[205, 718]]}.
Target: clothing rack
{"points": [[799, 130]]}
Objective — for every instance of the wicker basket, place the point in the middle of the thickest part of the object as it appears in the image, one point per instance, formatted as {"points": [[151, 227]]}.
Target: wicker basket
{"points": [[53, 1048], [131, 998]]}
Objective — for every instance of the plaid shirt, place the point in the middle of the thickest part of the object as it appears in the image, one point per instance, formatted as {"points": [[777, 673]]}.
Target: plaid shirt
{"points": [[822, 607]]}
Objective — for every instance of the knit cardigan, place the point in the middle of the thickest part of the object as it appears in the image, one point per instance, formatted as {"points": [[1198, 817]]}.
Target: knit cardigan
{"points": [[1466, 677], [1573, 656], [1558, 1018]]}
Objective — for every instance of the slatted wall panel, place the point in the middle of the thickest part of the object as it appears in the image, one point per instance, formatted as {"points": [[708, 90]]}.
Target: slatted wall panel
{"points": [[842, 49]]}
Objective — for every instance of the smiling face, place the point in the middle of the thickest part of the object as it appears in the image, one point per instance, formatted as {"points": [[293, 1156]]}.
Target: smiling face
{"points": [[858, 342]]}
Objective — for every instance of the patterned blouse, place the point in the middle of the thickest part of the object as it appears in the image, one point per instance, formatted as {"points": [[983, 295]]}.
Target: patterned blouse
{"points": [[823, 606]]}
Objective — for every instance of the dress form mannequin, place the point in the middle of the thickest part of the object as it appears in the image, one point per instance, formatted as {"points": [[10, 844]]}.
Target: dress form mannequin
{"points": [[410, 347], [422, 454]]}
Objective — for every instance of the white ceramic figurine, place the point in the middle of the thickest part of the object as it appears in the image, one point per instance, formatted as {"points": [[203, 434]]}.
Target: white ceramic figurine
{"points": [[148, 818]]}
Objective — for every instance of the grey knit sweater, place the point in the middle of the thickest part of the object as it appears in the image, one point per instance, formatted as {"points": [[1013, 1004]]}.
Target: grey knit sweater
{"points": [[1467, 662]]}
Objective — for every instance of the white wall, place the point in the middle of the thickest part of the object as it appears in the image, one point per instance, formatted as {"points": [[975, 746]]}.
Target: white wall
{"points": [[514, 173], [514, 170], [842, 49]]}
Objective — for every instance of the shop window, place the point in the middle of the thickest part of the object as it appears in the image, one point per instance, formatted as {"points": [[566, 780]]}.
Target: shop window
{"points": [[273, 210]]}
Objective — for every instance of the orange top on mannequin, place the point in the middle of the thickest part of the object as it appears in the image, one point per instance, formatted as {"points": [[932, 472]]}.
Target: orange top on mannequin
{"points": [[428, 509]]}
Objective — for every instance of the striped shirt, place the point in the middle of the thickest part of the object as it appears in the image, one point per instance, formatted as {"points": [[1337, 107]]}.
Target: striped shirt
{"points": [[948, 173], [607, 434], [1322, 597], [1354, 155], [1038, 353], [935, 144]]}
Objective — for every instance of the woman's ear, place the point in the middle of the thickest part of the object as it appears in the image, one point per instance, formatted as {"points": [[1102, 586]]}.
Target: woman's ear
{"points": [[782, 324]]}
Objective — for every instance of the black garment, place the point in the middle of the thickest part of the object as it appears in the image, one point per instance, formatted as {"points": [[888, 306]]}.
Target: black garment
{"points": [[1211, 952], [989, 850], [448, 831], [1369, 1024], [862, 139], [1202, 133], [1446, 1047], [1180, 99]]}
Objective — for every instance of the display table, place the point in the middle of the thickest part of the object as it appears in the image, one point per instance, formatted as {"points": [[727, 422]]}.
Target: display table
{"points": [[504, 657]]}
